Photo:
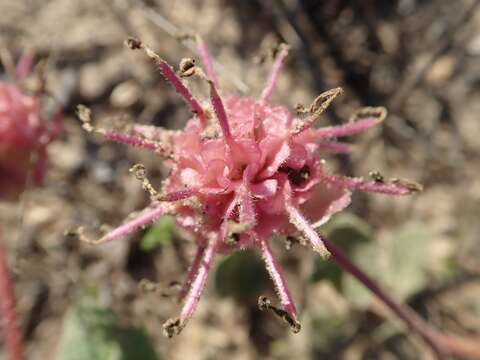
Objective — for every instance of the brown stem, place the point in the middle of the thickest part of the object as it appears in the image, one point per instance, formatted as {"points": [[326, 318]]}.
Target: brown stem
{"points": [[12, 335], [442, 344]]}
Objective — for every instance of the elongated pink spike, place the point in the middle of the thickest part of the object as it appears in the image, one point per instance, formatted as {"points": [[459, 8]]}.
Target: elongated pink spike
{"points": [[206, 59], [151, 132], [278, 279], [336, 147], [192, 272], [297, 219], [396, 188], [274, 74], [346, 129], [198, 284], [84, 114], [144, 219], [24, 66], [181, 89], [176, 195], [220, 112], [127, 139], [171, 77]]}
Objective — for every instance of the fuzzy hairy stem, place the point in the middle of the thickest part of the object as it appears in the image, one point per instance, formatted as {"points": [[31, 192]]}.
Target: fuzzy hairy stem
{"points": [[206, 59], [128, 139], [279, 281], [393, 188], [192, 272], [335, 147], [219, 109], [275, 73], [348, 129], [443, 345], [299, 221], [12, 335], [171, 77], [174, 326], [24, 66], [143, 219]]}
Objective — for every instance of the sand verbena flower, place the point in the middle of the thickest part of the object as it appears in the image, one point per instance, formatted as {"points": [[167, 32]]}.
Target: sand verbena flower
{"points": [[24, 135], [243, 171]]}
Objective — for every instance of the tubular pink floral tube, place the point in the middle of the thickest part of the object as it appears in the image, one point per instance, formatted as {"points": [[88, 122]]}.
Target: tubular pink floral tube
{"points": [[206, 59], [278, 280], [276, 69]]}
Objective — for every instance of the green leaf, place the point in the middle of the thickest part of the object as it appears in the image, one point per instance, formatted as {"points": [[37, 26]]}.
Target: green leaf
{"points": [[241, 275], [366, 258], [92, 333], [403, 263], [161, 233], [347, 231], [408, 254]]}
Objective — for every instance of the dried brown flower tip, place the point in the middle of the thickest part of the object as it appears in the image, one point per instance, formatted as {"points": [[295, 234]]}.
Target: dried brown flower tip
{"points": [[146, 285], [379, 113], [315, 109], [281, 47], [409, 184], [85, 115], [133, 43], [141, 175], [320, 104], [187, 67], [170, 290], [292, 240], [376, 176], [234, 229], [136, 44], [172, 327], [174, 287], [301, 109], [270, 51], [185, 35], [79, 233], [265, 304], [323, 101]]}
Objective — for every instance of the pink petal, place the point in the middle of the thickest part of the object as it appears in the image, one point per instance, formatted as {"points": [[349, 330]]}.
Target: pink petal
{"points": [[145, 218], [264, 189]]}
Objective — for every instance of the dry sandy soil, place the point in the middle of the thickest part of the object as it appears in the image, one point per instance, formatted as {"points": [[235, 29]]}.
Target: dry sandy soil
{"points": [[420, 59]]}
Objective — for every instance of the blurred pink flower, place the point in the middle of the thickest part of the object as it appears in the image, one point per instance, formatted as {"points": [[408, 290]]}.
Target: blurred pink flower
{"points": [[243, 171], [23, 134]]}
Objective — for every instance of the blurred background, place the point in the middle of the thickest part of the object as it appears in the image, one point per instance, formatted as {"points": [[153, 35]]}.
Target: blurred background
{"points": [[418, 58]]}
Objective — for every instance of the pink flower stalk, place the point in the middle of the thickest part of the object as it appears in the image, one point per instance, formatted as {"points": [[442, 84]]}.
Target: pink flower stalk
{"points": [[10, 328], [243, 171], [24, 134]]}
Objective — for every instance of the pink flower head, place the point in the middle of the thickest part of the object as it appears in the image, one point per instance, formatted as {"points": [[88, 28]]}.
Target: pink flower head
{"points": [[243, 171], [23, 135]]}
